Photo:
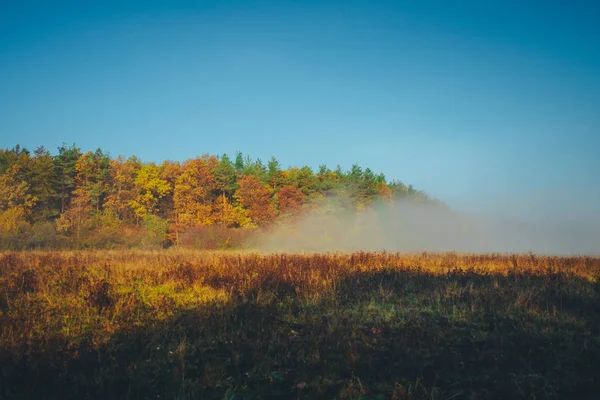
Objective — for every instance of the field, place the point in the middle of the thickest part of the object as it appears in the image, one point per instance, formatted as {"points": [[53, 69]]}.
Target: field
{"points": [[180, 324]]}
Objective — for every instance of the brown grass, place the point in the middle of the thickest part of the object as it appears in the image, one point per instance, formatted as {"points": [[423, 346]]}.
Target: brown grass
{"points": [[194, 324]]}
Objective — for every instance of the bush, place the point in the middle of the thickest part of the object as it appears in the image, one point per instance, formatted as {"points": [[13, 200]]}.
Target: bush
{"points": [[43, 235], [214, 237], [154, 231]]}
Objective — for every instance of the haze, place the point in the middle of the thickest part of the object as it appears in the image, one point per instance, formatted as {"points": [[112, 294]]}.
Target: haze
{"points": [[407, 226]]}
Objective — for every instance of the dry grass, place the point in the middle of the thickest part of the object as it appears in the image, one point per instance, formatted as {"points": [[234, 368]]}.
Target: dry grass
{"points": [[190, 324]]}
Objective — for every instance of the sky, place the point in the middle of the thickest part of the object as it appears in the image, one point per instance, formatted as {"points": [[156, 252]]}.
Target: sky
{"points": [[490, 106]]}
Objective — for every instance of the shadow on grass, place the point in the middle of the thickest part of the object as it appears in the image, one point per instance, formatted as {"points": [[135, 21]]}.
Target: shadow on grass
{"points": [[390, 334]]}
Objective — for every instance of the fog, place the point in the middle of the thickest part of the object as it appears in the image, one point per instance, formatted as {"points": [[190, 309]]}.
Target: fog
{"points": [[408, 226]]}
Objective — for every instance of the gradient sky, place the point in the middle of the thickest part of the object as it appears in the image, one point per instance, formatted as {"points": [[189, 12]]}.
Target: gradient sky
{"points": [[487, 105]]}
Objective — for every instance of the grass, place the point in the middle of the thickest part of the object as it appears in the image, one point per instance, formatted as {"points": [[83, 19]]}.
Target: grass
{"points": [[221, 325]]}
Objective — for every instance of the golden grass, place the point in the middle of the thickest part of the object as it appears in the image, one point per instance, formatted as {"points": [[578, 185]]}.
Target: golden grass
{"points": [[234, 318]]}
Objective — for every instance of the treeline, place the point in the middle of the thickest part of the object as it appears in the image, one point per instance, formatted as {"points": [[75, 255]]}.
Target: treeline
{"points": [[77, 199]]}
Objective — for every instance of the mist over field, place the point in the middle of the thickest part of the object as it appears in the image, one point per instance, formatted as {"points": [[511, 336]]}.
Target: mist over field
{"points": [[409, 226]]}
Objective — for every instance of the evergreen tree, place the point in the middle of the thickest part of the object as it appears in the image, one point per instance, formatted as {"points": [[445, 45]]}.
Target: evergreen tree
{"points": [[225, 176], [64, 164], [274, 176], [43, 182], [239, 163]]}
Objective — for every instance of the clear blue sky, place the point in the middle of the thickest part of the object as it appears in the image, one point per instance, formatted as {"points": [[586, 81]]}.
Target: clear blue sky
{"points": [[484, 104]]}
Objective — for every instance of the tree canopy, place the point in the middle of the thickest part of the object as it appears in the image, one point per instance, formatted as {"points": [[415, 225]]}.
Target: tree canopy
{"points": [[89, 199]]}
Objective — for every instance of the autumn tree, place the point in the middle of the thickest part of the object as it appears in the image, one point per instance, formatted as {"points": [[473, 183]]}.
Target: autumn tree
{"points": [[16, 204], [384, 191], [170, 171], [193, 193], [122, 190], [77, 219], [92, 178], [290, 200], [256, 198], [150, 187], [229, 214]]}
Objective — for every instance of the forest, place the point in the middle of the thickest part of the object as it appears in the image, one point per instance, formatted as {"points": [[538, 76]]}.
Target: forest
{"points": [[77, 199]]}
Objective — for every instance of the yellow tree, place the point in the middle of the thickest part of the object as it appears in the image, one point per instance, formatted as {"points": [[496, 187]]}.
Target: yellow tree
{"points": [[194, 194], [228, 214], [169, 171], [15, 201], [150, 187], [78, 217], [122, 190]]}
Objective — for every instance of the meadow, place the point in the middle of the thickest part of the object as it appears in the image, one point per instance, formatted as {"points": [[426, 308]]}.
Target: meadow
{"points": [[183, 324]]}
